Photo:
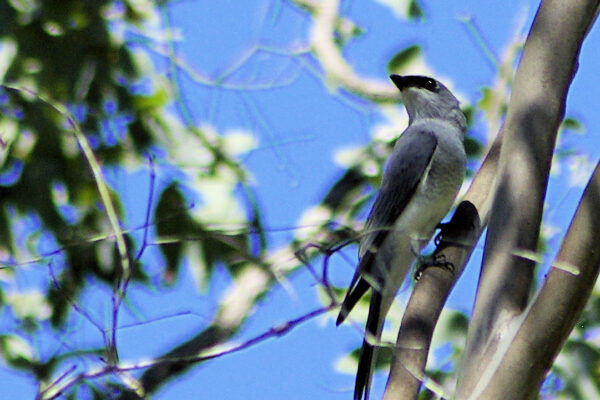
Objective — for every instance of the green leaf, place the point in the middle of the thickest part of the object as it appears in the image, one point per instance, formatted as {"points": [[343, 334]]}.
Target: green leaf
{"points": [[145, 103], [173, 223], [486, 101], [6, 237], [226, 248], [344, 188], [469, 112], [404, 9], [473, 147], [415, 11], [384, 357], [403, 58], [572, 124], [345, 30]]}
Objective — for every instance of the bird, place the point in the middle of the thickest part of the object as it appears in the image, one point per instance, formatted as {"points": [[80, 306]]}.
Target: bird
{"points": [[421, 180]]}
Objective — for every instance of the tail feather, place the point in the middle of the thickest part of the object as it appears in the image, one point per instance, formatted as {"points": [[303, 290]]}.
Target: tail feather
{"points": [[358, 286], [352, 297], [368, 356]]}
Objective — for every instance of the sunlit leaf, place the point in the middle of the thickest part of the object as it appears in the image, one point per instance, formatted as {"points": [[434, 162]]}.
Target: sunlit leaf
{"points": [[487, 99], [155, 100], [404, 9], [15, 350], [403, 58], [29, 304], [236, 142]]}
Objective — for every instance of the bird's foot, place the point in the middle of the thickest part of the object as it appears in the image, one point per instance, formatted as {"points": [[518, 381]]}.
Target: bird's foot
{"points": [[438, 261]]}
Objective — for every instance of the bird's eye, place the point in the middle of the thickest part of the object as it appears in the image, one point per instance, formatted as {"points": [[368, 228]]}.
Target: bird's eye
{"points": [[430, 85]]}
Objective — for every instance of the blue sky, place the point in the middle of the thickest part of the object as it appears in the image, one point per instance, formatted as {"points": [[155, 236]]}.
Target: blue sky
{"points": [[299, 125]]}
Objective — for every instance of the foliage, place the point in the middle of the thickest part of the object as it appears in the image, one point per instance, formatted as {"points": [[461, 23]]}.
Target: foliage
{"points": [[83, 103]]}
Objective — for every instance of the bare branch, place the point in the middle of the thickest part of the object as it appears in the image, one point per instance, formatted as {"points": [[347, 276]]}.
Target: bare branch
{"points": [[426, 303], [167, 367], [557, 307], [111, 213], [337, 69], [535, 110], [148, 209]]}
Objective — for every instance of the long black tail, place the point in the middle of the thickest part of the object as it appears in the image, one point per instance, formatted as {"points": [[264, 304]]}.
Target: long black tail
{"points": [[368, 355], [358, 286]]}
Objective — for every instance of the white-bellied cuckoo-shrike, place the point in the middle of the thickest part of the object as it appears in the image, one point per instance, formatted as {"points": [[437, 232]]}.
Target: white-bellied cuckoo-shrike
{"points": [[422, 177]]}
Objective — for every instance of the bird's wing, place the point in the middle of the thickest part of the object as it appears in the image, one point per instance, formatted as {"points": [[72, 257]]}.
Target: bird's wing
{"points": [[405, 169]]}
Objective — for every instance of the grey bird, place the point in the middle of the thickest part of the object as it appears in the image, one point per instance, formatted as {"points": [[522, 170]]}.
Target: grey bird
{"points": [[422, 177]]}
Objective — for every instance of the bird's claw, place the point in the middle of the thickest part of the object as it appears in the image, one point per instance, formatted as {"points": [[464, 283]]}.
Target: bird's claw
{"points": [[438, 261]]}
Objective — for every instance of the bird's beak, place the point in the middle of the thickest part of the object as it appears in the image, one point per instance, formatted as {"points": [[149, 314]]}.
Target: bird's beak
{"points": [[400, 82]]}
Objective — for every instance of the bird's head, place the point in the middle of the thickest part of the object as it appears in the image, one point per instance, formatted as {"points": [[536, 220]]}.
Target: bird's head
{"points": [[425, 97]]}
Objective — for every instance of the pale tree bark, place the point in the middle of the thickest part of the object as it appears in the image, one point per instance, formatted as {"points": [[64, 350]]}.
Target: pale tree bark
{"points": [[535, 111], [537, 106], [547, 324]]}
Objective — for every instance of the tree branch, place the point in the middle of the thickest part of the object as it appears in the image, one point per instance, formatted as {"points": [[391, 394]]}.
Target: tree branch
{"points": [[535, 110], [557, 307], [329, 54], [426, 303]]}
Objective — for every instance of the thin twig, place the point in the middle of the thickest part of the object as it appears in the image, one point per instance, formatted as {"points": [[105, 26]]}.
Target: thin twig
{"points": [[148, 208]]}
